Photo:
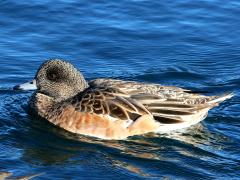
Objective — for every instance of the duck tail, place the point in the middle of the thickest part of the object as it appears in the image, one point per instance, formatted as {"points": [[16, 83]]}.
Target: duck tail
{"points": [[221, 98]]}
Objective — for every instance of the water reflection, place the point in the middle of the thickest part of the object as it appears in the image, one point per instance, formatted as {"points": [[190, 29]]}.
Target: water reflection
{"points": [[63, 147], [41, 144]]}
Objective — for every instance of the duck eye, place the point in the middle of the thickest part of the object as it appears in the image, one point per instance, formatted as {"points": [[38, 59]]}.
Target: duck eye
{"points": [[52, 76]]}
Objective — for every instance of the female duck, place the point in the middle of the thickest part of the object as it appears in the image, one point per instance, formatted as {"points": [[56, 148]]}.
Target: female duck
{"points": [[113, 109]]}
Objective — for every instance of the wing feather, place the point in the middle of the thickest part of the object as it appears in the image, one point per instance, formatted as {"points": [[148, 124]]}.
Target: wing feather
{"points": [[110, 102], [168, 104]]}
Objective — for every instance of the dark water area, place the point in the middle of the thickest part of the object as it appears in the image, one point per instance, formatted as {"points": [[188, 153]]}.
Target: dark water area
{"points": [[191, 44]]}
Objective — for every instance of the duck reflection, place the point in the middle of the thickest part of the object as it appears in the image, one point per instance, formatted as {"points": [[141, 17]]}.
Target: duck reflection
{"points": [[49, 145]]}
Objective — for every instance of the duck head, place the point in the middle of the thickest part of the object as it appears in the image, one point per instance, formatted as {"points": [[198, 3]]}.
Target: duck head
{"points": [[57, 79]]}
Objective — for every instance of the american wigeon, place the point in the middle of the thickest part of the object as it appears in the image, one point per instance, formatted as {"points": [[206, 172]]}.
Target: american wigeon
{"points": [[113, 109]]}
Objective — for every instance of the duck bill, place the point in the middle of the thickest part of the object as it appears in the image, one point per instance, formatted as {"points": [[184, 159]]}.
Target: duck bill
{"points": [[31, 85]]}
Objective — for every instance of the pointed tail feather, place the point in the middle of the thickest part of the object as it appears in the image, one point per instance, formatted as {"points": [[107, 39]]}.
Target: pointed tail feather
{"points": [[219, 99]]}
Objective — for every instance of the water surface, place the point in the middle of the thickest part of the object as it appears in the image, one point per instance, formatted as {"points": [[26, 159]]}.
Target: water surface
{"points": [[191, 44]]}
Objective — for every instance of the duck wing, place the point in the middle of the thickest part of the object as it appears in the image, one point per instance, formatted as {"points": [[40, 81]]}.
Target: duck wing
{"points": [[168, 104], [108, 101]]}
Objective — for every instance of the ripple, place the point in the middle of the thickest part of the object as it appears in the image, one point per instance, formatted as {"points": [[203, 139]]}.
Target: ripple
{"points": [[186, 43]]}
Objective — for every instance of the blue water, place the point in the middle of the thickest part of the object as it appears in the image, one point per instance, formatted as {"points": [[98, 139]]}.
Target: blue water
{"points": [[191, 44]]}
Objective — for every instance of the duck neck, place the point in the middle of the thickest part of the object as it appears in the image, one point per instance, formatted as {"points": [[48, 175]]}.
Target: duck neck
{"points": [[40, 104]]}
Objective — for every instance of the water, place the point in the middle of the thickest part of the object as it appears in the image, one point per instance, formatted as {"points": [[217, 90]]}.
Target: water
{"points": [[192, 44]]}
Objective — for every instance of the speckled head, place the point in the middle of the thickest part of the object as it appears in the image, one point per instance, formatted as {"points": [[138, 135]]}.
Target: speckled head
{"points": [[58, 79]]}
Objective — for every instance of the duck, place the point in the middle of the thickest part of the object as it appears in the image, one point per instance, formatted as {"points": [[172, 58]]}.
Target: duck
{"points": [[113, 109]]}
